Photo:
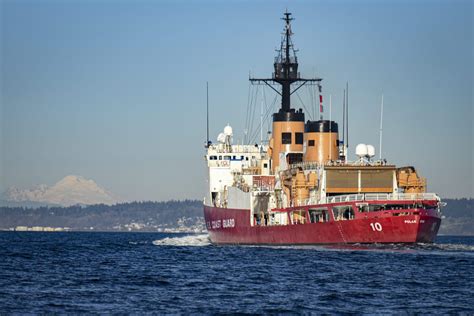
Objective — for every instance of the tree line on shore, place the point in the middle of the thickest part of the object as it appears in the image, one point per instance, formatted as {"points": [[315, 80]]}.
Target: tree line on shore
{"points": [[458, 215], [101, 216]]}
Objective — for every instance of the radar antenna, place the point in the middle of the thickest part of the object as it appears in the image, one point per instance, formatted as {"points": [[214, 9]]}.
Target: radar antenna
{"points": [[286, 70]]}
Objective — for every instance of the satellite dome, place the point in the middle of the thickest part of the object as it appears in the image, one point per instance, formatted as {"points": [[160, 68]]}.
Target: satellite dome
{"points": [[228, 130], [221, 138], [370, 151], [361, 150]]}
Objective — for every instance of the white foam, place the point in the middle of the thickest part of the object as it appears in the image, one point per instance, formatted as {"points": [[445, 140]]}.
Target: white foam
{"points": [[449, 247], [428, 248], [189, 240]]}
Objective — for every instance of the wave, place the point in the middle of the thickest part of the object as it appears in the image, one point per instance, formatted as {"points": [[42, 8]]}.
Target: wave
{"points": [[434, 248], [445, 247], [199, 240], [186, 241], [420, 248]]}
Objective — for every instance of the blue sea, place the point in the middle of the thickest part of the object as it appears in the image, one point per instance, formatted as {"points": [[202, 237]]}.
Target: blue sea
{"points": [[177, 273]]}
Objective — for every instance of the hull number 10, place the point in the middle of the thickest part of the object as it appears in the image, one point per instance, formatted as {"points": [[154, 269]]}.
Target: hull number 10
{"points": [[376, 227]]}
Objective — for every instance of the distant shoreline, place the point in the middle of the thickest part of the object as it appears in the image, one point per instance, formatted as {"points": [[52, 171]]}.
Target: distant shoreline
{"points": [[185, 216], [154, 232]]}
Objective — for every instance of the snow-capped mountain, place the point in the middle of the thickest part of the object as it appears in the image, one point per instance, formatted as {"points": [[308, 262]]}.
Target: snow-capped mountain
{"points": [[68, 191]]}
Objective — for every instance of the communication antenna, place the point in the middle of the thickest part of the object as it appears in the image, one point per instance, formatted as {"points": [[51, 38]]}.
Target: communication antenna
{"points": [[330, 110], [330, 125], [208, 142], [347, 115], [285, 74], [381, 129], [344, 118], [261, 121]]}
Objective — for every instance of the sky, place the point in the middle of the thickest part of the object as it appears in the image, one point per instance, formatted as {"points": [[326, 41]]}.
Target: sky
{"points": [[115, 91]]}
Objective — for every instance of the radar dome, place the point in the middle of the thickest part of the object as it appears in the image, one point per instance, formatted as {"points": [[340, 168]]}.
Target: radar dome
{"points": [[361, 150], [370, 151], [221, 138], [228, 130]]}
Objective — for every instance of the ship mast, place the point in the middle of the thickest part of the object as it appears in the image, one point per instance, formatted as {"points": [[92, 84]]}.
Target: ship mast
{"points": [[286, 70], [288, 124]]}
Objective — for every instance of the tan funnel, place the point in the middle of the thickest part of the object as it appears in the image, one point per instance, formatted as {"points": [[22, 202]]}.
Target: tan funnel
{"points": [[321, 139], [287, 137]]}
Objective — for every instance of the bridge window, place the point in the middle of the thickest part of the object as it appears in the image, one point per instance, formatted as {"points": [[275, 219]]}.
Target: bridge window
{"points": [[319, 215], [298, 217], [363, 207], [212, 157], [376, 207], [397, 206], [286, 138], [299, 138], [342, 213], [294, 158]]}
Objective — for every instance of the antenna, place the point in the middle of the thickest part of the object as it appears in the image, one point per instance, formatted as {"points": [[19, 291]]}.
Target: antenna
{"points": [[330, 125], [285, 74], [347, 114], [344, 118], [381, 129], [320, 104], [330, 110], [261, 121], [207, 114]]}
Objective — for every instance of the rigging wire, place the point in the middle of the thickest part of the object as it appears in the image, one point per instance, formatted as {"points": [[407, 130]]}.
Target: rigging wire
{"points": [[254, 106], [272, 107], [308, 91], [266, 116], [247, 112], [254, 132], [304, 106], [251, 111], [251, 131], [261, 127]]}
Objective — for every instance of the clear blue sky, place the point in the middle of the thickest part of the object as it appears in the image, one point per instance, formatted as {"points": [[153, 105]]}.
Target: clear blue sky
{"points": [[115, 90]]}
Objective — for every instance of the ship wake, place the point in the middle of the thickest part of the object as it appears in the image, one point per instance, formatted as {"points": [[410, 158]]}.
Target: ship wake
{"points": [[428, 248], [441, 247], [184, 241], [423, 248]]}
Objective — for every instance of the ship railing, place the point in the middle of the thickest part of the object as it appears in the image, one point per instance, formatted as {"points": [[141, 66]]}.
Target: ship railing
{"points": [[377, 196], [305, 165], [265, 189], [401, 196], [370, 197], [304, 202], [236, 149], [413, 196], [345, 198]]}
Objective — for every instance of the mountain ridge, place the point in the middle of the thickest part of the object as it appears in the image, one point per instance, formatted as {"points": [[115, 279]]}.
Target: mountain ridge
{"points": [[70, 190]]}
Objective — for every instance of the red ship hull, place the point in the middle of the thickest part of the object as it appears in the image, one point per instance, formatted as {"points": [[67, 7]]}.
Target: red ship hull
{"points": [[233, 226]]}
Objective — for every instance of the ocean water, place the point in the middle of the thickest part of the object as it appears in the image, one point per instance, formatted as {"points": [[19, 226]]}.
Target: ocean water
{"points": [[170, 273]]}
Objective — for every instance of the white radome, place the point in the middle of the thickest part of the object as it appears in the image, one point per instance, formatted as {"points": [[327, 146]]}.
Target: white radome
{"points": [[221, 138], [370, 151], [361, 150], [228, 130]]}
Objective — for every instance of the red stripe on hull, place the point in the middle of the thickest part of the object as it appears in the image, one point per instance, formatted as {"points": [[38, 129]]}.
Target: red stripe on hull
{"points": [[232, 226]]}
